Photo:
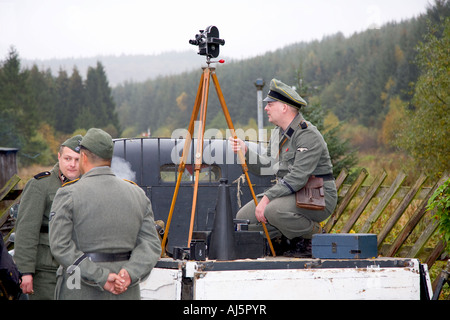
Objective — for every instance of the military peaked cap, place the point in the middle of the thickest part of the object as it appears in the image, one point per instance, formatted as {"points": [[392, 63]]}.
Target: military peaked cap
{"points": [[282, 92]]}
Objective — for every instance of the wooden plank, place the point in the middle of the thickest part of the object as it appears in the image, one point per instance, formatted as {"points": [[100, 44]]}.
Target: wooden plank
{"points": [[340, 179], [434, 255], [424, 237], [5, 213], [400, 209], [383, 203], [348, 197], [9, 186], [365, 201], [415, 218], [440, 280]]}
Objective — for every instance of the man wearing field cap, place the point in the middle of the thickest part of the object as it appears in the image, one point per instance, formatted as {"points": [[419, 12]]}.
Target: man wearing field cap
{"points": [[297, 151], [31, 248], [102, 230]]}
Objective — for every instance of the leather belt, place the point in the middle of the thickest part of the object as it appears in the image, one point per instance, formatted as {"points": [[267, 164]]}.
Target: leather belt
{"points": [[108, 257], [325, 177]]}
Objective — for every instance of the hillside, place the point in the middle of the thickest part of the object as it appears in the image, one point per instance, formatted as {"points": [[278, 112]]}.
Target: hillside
{"points": [[132, 68], [354, 77]]}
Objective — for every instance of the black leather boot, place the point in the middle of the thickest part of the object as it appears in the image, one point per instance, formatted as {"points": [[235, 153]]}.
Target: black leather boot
{"points": [[280, 245], [302, 248]]}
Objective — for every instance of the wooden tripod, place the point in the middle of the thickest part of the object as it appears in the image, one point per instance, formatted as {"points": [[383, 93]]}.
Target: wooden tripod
{"points": [[201, 103]]}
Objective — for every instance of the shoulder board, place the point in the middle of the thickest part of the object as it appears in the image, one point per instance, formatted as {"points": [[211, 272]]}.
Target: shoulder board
{"points": [[132, 182], [303, 124], [41, 175], [70, 182]]}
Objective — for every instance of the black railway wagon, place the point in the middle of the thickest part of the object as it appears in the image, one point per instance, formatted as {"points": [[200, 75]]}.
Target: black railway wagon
{"points": [[153, 162]]}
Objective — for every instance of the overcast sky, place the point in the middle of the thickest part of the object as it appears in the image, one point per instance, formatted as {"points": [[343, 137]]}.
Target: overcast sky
{"points": [[44, 29]]}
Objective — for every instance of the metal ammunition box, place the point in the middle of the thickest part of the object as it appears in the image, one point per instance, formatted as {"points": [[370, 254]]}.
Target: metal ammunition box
{"points": [[344, 246]]}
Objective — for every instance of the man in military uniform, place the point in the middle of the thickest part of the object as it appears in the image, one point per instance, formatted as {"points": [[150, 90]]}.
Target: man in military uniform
{"points": [[297, 151], [102, 230], [31, 248]]}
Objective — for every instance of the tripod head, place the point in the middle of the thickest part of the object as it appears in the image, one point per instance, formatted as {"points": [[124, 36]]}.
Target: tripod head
{"points": [[208, 42]]}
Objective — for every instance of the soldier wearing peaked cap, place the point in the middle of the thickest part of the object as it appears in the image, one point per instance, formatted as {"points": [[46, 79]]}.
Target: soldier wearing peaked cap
{"points": [[296, 151], [31, 248], [102, 230]]}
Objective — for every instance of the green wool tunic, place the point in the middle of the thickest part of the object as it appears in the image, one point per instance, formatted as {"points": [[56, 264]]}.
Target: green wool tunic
{"points": [[31, 248], [293, 156], [101, 213]]}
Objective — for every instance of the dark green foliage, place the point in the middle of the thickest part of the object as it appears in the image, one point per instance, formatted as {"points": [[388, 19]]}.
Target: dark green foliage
{"points": [[17, 109], [353, 76], [426, 134], [32, 98]]}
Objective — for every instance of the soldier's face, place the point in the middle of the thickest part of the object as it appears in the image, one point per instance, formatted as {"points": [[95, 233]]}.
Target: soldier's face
{"points": [[274, 111], [69, 163]]}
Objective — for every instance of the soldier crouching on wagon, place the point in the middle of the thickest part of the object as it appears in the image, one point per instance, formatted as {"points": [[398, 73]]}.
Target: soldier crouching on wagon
{"points": [[297, 151]]}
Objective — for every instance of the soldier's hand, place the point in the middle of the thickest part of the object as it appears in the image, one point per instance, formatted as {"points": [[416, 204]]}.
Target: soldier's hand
{"points": [[259, 211], [110, 284], [237, 144], [27, 284], [123, 281]]}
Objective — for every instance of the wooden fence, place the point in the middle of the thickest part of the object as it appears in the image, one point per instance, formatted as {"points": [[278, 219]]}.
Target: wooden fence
{"points": [[373, 208], [9, 196], [398, 212]]}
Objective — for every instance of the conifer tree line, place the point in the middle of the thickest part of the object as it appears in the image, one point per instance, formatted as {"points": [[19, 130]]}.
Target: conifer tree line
{"points": [[37, 108]]}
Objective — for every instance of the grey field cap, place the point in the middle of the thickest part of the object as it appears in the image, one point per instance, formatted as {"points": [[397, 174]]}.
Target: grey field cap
{"points": [[73, 143], [98, 142]]}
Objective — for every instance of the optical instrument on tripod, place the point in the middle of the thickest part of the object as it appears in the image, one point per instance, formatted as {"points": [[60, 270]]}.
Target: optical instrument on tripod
{"points": [[208, 41]]}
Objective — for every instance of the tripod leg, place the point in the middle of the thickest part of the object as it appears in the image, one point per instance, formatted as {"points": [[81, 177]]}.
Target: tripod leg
{"points": [[181, 167], [199, 151], [240, 153]]}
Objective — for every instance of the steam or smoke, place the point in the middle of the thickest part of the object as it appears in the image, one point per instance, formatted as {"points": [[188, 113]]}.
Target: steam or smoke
{"points": [[122, 169]]}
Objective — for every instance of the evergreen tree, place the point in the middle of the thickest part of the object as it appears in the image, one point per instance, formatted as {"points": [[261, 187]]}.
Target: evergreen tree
{"points": [[99, 108], [42, 91], [18, 121], [76, 98], [64, 115]]}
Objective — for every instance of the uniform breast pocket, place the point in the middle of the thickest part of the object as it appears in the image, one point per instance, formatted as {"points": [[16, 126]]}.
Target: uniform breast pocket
{"points": [[287, 160]]}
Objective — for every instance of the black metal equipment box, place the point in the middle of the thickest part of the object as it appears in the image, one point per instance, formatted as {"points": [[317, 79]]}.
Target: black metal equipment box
{"points": [[248, 245], [344, 246]]}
